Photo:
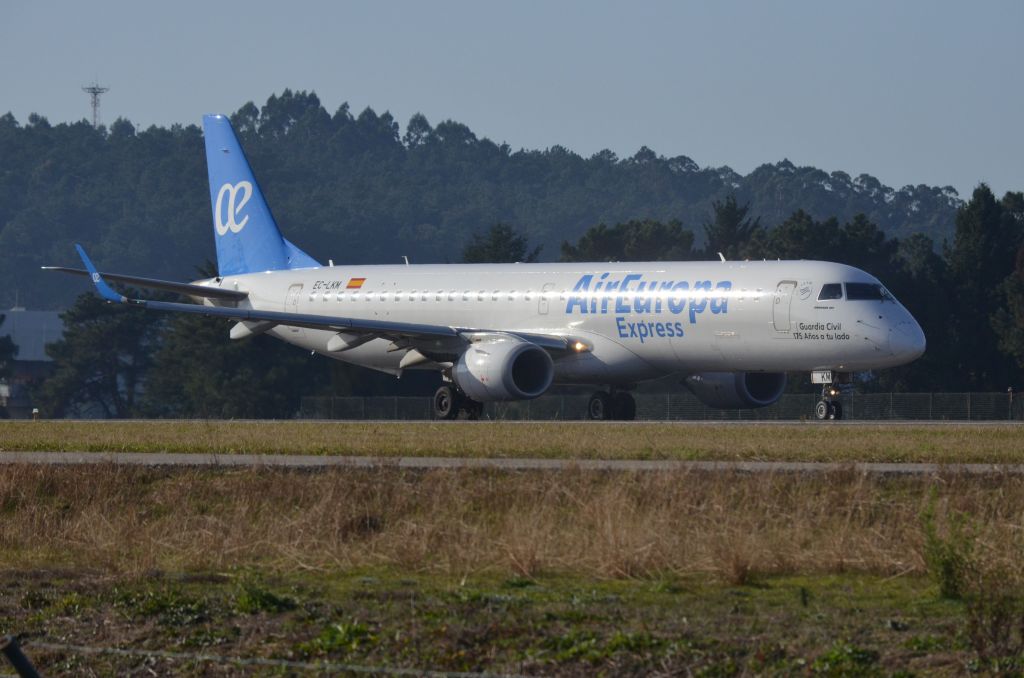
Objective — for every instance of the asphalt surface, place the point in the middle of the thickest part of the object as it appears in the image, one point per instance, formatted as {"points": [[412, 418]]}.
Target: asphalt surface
{"points": [[307, 461]]}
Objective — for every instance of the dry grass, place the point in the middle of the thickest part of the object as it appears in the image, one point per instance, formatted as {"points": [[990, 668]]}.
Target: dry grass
{"points": [[129, 520], [792, 442]]}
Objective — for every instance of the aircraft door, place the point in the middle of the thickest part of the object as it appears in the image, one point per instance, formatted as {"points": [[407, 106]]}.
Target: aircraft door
{"points": [[544, 303], [291, 305], [781, 305]]}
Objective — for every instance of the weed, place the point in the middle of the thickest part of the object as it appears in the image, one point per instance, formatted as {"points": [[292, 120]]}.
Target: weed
{"points": [[994, 610], [927, 643], [253, 598], [949, 556], [35, 600], [573, 646], [170, 607], [632, 642], [519, 583], [71, 604], [340, 639], [489, 601], [844, 659], [668, 585]]}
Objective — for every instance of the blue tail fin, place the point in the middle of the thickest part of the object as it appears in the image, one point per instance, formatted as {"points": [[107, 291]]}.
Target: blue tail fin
{"points": [[246, 234]]}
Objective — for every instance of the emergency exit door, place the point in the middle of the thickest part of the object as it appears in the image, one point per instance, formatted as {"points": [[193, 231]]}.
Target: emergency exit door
{"points": [[544, 302], [291, 305]]}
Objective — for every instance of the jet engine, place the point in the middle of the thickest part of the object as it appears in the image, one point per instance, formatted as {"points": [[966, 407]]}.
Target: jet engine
{"points": [[734, 390], [503, 368]]}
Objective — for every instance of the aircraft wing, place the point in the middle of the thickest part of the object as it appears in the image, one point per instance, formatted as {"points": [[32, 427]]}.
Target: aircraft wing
{"points": [[383, 328], [165, 285]]}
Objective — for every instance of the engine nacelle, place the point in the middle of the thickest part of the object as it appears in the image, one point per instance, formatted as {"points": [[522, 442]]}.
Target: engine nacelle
{"points": [[735, 390], [503, 368]]}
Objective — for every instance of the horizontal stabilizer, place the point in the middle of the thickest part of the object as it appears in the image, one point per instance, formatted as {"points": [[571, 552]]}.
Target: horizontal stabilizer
{"points": [[186, 289]]}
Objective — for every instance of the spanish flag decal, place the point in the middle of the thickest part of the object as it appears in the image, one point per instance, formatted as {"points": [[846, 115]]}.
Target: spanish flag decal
{"points": [[355, 283]]}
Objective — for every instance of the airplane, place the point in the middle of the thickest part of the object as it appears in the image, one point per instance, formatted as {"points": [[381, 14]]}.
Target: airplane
{"points": [[732, 330]]}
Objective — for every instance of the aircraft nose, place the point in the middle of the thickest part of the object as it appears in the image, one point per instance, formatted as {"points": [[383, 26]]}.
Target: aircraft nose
{"points": [[907, 340]]}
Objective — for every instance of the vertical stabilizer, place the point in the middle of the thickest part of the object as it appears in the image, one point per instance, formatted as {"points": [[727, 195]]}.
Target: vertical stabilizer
{"points": [[247, 237]]}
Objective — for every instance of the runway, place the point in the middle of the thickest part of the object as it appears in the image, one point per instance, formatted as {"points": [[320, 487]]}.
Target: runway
{"points": [[319, 462]]}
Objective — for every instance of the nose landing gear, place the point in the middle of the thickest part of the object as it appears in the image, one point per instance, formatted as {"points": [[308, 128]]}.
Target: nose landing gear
{"points": [[829, 407]]}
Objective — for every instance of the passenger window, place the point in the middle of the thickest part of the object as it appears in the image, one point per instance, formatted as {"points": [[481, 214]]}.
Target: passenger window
{"points": [[369, 296], [312, 296], [398, 295], [355, 296], [830, 291], [494, 295], [451, 295], [412, 295], [527, 295], [383, 296], [511, 295], [480, 295], [465, 295]]}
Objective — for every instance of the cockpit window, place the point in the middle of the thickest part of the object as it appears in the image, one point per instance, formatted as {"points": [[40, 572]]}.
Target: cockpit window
{"points": [[831, 291], [867, 292]]}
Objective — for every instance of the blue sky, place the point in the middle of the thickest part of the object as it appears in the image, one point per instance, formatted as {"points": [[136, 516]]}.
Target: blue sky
{"points": [[911, 92]]}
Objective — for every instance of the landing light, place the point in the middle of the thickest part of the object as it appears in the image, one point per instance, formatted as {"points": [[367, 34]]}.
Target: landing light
{"points": [[580, 347]]}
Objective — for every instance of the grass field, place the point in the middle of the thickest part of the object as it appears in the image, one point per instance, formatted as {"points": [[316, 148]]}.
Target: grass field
{"points": [[567, 573], [851, 625], [792, 442], [559, 573]]}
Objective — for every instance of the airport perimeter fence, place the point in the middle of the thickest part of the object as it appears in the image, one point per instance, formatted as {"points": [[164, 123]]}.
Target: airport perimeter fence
{"points": [[686, 407]]}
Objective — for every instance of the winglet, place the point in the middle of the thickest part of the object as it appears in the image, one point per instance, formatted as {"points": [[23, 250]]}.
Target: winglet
{"points": [[101, 285]]}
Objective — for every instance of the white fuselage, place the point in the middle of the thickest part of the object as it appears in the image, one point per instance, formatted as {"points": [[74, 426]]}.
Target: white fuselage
{"points": [[638, 320]]}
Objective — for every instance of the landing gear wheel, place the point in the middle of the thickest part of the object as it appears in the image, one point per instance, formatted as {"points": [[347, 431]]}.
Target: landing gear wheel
{"points": [[623, 406], [822, 410], [600, 407], [446, 403]]}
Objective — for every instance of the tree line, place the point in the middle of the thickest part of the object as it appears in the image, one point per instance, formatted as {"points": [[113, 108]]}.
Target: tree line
{"points": [[969, 299], [357, 187]]}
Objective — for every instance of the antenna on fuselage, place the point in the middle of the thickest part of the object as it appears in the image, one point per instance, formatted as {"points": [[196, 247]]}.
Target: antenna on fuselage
{"points": [[406, 257], [721, 256]]}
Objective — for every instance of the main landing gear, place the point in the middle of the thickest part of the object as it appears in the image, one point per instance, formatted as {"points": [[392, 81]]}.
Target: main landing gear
{"points": [[604, 406], [451, 403]]}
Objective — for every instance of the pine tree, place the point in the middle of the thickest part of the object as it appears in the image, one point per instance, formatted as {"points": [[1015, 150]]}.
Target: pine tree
{"points": [[730, 230], [102, 360], [500, 245]]}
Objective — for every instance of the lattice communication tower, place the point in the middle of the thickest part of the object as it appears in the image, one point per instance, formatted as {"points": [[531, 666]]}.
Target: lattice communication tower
{"points": [[94, 91]]}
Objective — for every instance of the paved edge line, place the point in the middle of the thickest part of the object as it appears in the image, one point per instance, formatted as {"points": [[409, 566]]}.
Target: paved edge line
{"points": [[306, 461]]}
